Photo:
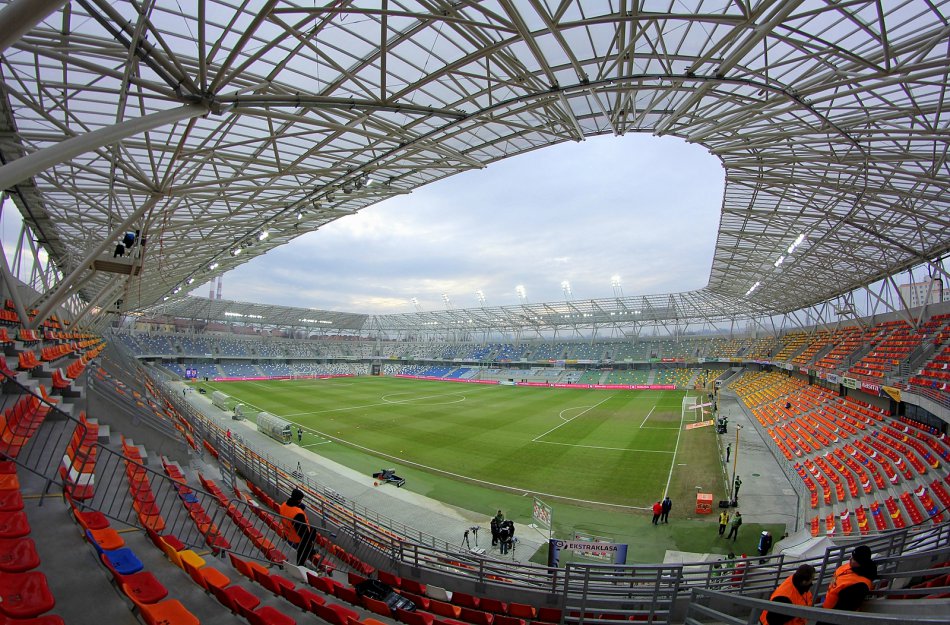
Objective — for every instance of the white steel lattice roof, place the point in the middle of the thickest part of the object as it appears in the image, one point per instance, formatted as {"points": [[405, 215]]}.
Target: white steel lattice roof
{"points": [[203, 124]]}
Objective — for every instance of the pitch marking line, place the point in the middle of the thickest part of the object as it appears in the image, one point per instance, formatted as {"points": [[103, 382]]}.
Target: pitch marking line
{"points": [[535, 439], [646, 451], [565, 419], [477, 481], [648, 416], [679, 433]]}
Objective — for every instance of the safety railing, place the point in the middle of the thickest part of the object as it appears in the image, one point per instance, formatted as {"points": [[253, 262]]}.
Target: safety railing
{"points": [[105, 486], [712, 606]]}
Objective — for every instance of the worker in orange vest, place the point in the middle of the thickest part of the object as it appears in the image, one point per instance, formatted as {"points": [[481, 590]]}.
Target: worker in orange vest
{"points": [[852, 581], [796, 590], [296, 528]]}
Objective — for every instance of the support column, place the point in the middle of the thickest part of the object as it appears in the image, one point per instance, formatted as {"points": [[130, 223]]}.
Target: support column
{"points": [[11, 283], [107, 292]]}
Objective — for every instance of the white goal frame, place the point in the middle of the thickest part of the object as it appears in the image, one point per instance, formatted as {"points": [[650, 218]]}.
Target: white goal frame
{"points": [[688, 408]]}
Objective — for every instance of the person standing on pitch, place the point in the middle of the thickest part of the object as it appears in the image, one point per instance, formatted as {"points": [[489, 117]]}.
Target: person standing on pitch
{"points": [[299, 435], [728, 451], [657, 511], [723, 521], [796, 590], [665, 506], [734, 527]]}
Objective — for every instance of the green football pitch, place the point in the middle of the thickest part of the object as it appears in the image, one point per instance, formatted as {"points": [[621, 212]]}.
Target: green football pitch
{"points": [[600, 458]]}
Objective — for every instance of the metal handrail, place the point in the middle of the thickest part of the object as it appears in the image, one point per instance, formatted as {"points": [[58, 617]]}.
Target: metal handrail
{"points": [[46, 455], [707, 606]]}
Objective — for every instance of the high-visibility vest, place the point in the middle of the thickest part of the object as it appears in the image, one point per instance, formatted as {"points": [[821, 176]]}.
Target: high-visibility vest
{"points": [[844, 577], [289, 513], [787, 589]]}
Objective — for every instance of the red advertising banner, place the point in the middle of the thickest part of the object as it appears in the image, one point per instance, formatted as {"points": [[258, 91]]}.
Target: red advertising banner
{"points": [[608, 387]]}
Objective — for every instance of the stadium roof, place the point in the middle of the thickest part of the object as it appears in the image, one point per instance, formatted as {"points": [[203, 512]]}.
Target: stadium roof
{"points": [[206, 130]]}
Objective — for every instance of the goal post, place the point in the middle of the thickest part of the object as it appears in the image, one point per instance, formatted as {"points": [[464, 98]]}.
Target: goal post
{"points": [[688, 411]]}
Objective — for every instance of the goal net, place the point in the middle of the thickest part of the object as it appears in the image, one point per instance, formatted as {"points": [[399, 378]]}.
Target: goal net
{"points": [[688, 412]]}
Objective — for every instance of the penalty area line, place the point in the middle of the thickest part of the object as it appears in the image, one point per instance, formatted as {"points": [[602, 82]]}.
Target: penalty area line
{"points": [[648, 416], [645, 451], [535, 439]]}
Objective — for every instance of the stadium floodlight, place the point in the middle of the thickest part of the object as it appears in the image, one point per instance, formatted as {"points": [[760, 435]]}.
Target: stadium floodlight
{"points": [[446, 301], [212, 266], [798, 241], [480, 296], [263, 234], [566, 287], [752, 288], [615, 284], [522, 294], [415, 303]]}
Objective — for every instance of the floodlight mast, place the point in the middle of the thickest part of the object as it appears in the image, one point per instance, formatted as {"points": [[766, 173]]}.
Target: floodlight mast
{"points": [[522, 294], [615, 284]]}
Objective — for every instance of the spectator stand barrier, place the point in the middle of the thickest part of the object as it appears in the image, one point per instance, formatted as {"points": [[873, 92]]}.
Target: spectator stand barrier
{"points": [[714, 606]]}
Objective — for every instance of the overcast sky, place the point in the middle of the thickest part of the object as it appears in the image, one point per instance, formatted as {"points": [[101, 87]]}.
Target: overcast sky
{"points": [[640, 207]]}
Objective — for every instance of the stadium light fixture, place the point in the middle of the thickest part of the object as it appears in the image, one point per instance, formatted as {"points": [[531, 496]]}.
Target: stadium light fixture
{"points": [[781, 259], [566, 287], [798, 241], [752, 288], [480, 296], [522, 294], [615, 284], [263, 234], [212, 266]]}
